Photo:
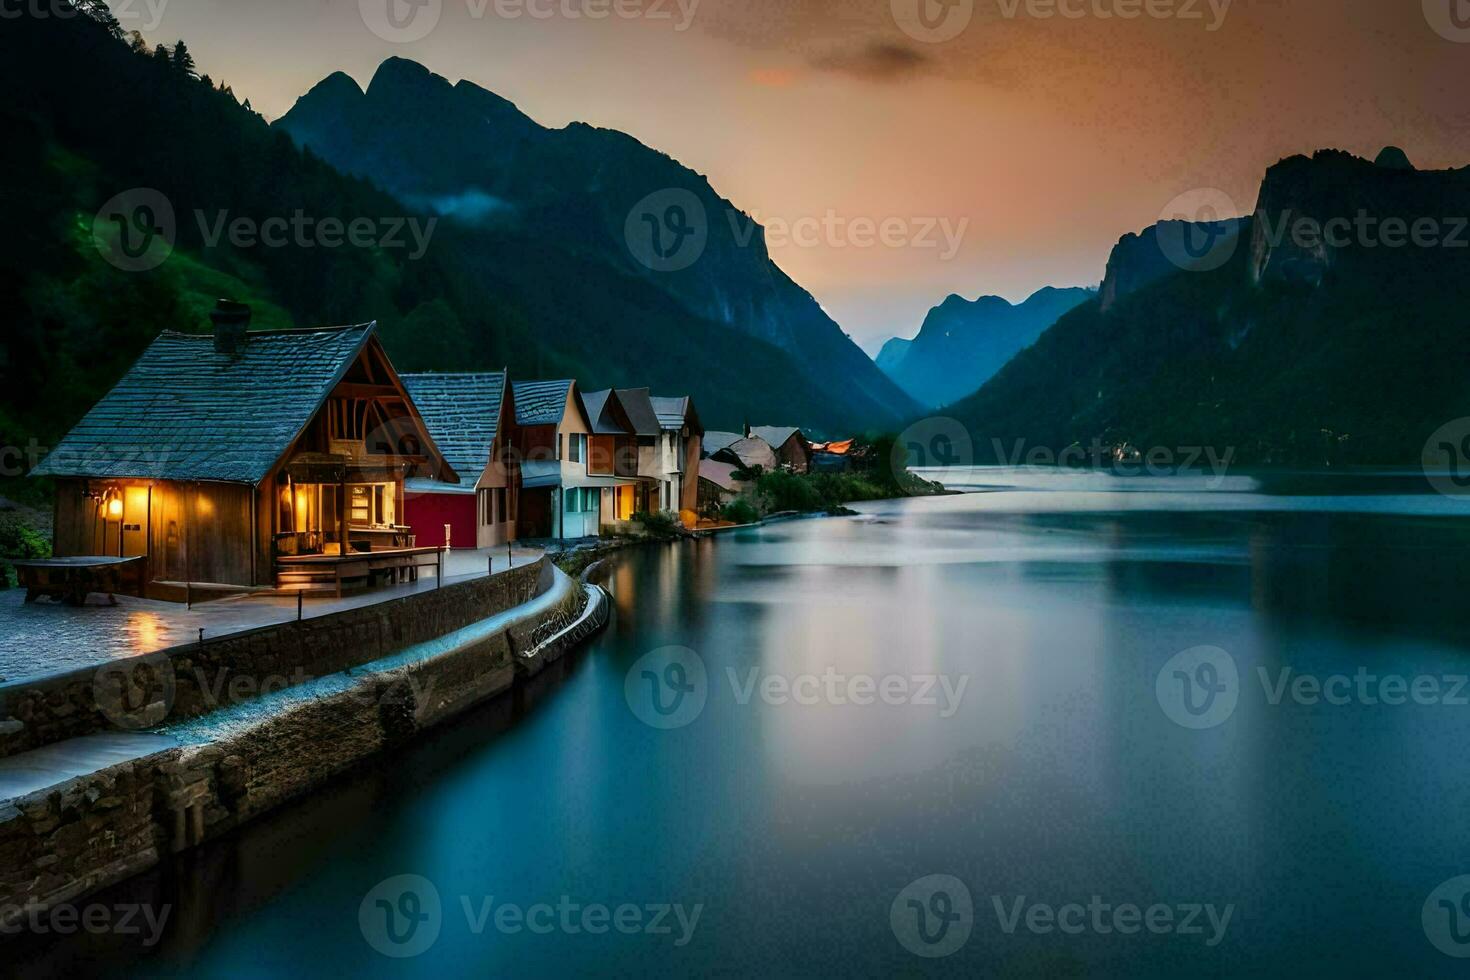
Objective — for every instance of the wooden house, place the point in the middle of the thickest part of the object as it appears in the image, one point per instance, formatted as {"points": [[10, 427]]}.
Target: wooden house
{"points": [[793, 449], [613, 454], [248, 458], [560, 497], [470, 417]]}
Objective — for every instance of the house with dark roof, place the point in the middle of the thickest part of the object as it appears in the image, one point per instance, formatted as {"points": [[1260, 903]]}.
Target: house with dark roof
{"points": [[248, 458], [614, 454], [792, 447], [559, 495], [470, 417]]}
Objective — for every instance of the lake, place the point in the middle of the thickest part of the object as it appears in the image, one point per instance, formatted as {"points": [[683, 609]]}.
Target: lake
{"points": [[1070, 725]]}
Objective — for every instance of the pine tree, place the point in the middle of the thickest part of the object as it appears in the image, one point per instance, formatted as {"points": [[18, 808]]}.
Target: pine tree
{"points": [[102, 14], [184, 61]]}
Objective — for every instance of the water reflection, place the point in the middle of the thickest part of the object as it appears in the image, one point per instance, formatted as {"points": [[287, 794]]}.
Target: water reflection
{"points": [[1057, 777]]}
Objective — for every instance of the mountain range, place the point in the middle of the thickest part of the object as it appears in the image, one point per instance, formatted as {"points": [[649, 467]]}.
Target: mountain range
{"points": [[1329, 327], [546, 287], [962, 344], [561, 219]]}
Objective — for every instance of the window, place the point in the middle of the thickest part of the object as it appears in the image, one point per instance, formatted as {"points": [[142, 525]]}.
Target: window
{"points": [[574, 500], [577, 447]]}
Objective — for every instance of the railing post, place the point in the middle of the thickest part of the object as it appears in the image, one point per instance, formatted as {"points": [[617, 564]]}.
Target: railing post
{"points": [[299, 597]]}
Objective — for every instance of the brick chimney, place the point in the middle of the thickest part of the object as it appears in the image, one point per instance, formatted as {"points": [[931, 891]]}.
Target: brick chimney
{"points": [[231, 321]]}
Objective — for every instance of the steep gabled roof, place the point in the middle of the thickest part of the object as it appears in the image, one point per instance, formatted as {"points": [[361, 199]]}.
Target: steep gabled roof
{"points": [[776, 435], [606, 414], [675, 413], [540, 402], [749, 453], [185, 411], [639, 407], [462, 414]]}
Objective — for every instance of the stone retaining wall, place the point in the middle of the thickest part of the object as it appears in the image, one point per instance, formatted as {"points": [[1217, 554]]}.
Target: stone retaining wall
{"points": [[194, 679], [66, 841]]}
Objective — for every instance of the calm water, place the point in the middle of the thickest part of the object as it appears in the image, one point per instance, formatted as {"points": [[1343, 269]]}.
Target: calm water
{"points": [[1048, 771]]}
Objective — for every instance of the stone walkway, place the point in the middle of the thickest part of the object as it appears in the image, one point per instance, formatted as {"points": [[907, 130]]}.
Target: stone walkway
{"points": [[44, 637], [30, 771]]}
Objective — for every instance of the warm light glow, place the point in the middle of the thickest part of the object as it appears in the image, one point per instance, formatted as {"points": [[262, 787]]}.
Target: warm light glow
{"points": [[115, 507]]}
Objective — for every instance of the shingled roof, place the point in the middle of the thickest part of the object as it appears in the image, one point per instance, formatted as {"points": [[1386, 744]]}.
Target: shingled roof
{"points": [[462, 413], [674, 413], [185, 411], [540, 402]]}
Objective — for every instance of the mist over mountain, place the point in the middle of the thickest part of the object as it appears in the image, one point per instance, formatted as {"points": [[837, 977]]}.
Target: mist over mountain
{"points": [[962, 344], [587, 199]]}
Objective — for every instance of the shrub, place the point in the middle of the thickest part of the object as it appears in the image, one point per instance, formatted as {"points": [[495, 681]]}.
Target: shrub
{"points": [[659, 525], [782, 491], [741, 511], [18, 541]]}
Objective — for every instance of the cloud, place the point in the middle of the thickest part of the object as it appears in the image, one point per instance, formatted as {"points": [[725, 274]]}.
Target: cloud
{"points": [[876, 61]]}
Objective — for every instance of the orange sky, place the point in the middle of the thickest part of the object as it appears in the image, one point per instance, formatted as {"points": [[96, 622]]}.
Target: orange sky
{"points": [[1042, 137]]}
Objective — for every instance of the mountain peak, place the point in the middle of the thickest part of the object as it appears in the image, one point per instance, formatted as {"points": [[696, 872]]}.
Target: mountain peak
{"points": [[1393, 158], [401, 73]]}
